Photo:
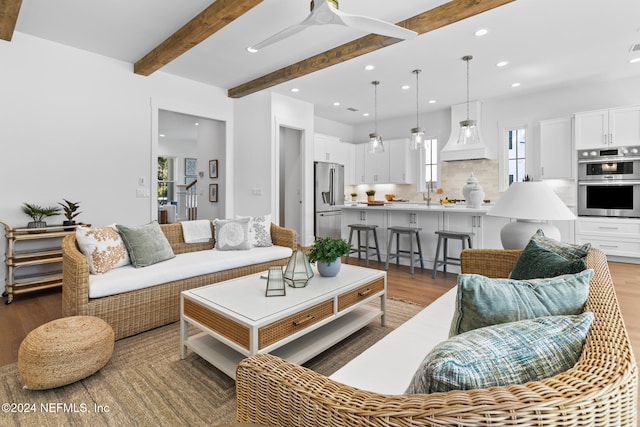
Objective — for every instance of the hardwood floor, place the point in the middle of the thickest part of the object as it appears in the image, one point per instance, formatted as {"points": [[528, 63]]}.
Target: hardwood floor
{"points": [[31, 310]]}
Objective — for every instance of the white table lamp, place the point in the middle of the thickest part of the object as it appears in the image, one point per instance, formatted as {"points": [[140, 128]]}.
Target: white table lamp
{"points": [[530, 204]]}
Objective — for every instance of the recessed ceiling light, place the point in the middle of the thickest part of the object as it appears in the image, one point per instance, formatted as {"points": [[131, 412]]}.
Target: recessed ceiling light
{"points": [[336, 104], [365, 114], [432, 101], [634, 60], [405, 87], [502, 64], [515, 84], [162, 135], [251, 50], [295, 90], [196, 123], [481, 32], [369, 67]]}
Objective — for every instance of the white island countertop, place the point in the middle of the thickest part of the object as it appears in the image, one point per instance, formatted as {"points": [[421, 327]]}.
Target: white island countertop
{"points": [[420, 206]]}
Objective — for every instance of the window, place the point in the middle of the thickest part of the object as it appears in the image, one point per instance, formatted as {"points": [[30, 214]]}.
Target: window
{"points": [[428, 167], [166, 189], [516, 154]]}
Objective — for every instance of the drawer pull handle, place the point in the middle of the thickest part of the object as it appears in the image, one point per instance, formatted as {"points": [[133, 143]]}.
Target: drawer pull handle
{"points": [[365, 293], [607, 228], [609, 246], [307, 319]]}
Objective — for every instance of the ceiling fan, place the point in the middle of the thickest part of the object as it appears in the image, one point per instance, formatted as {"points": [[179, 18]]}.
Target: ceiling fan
{"points": [[326, 12]]}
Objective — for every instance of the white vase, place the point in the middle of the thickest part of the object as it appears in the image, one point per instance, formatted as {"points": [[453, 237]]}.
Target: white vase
{"points": [[476, 198], [472, 182]]}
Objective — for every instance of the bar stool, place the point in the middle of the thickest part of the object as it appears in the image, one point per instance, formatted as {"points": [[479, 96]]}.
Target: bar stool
{"points": [[366, 249], [412, 254], [446, 259]]}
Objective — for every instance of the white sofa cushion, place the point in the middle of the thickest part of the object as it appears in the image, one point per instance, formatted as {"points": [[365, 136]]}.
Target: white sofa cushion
{"points": [[388, 366], [128, 278]]}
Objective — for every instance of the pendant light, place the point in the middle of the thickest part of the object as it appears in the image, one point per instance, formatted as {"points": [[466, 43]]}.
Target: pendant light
{"points": [[375, 140], [417, 133], [468, 128]]}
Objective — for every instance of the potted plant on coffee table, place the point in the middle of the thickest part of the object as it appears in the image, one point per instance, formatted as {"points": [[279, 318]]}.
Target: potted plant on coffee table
{"points": [[70, 213], [327, 253], [38, 214]]}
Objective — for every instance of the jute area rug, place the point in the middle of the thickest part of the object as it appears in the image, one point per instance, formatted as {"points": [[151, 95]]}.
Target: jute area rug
{"points": [[147, 384]]}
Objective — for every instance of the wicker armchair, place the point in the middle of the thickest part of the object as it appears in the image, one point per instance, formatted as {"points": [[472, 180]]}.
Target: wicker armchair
{"points": [[600, 390]]}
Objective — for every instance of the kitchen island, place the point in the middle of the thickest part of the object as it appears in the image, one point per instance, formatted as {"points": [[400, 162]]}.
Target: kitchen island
{"points": [[430, 218]]}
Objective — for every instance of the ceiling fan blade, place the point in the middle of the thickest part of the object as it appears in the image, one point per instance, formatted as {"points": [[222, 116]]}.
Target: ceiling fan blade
{"points": [[294, 29], [375, 26]]}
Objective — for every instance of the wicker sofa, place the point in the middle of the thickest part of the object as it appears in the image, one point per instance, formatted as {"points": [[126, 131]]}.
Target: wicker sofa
{"points": [[133, 312], [600, 390]]}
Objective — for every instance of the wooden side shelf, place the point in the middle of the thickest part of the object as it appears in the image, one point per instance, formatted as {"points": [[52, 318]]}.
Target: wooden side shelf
{"points": [[33, 266]]}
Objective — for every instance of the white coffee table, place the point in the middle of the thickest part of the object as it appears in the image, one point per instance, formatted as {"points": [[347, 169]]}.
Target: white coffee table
{"points": [[237, 320]]}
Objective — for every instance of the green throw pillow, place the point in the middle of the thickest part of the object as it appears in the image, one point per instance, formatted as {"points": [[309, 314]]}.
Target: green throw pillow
{"points": [[535, 261], [501, 355], [566, 250], [482, 301], [146, 244]]}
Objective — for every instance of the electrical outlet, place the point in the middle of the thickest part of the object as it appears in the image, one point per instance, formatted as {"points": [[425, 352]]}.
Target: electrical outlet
{"points": [[256, 192]]}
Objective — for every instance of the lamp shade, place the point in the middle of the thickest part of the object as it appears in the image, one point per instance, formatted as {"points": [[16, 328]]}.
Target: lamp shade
{"points": [[530, 204], [531, 200]]}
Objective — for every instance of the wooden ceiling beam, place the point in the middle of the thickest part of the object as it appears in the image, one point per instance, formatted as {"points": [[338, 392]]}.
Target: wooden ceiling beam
{"points": [[206, 23], [441, 16], [9, 10]]}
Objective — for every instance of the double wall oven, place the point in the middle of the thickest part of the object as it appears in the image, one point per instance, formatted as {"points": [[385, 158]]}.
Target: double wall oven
{"points": [[609, 182]]}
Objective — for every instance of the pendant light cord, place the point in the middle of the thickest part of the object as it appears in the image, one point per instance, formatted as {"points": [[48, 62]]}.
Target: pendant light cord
{"points": [[417, 72], [467, 59], [375, 84]]}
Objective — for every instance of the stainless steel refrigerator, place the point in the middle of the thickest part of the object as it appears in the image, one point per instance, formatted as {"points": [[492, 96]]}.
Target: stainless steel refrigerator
{"points": [[329, 198]]}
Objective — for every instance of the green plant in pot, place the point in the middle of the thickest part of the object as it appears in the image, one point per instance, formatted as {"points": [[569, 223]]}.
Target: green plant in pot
{"points": [[70, 213], [38, 214], [371, 195], [327, 253]]}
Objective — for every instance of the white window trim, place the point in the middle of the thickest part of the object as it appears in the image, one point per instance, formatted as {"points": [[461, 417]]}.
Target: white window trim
{"points": [[420, 185], [503, 160]]}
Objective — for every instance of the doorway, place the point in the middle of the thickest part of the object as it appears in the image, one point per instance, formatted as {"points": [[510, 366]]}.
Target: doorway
{"points": [[290, 179]]}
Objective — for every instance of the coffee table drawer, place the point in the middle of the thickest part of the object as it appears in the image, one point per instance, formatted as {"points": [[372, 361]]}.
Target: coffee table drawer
{"points": [[240, 334], [281, 329], [353, 297]]}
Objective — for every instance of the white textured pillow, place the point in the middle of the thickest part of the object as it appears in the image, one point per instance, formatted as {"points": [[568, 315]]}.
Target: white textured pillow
{"points": [[103, 247], [259, 230], [232, 234]]}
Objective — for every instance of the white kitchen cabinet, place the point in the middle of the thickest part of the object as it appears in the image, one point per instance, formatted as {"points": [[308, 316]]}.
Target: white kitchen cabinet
{"points": [[329, 149], [614, 236], [376, 166], [402, 162], [557, 158], [350, 165], [359, 157], [614, 127]]}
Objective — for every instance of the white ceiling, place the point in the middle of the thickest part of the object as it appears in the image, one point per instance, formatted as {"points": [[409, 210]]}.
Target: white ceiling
{"points": [[548, 43]]}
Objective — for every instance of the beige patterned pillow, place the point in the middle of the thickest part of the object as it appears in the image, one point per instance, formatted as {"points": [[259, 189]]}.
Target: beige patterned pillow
{"points": [[103, 247]]}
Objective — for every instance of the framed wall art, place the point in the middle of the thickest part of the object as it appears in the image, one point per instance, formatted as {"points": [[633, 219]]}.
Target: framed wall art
{"points": [[213, 192], [213, 168], [190, 166]]}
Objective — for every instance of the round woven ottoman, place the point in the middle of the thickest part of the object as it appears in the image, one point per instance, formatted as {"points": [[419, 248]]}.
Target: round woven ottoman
{"points": [[64, 351]]}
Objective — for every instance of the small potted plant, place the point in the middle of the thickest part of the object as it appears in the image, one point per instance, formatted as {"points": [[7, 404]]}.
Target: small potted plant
{"points": [[371, 195], [70, 213], [354, 195], [327, 253], [38, 214]]}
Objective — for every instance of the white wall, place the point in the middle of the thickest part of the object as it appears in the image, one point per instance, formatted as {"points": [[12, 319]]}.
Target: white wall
{"points": [[329, 127], [79, 126]]}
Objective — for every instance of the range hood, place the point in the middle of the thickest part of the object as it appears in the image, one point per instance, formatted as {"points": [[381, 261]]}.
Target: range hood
{"points": [[453, 151]]}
